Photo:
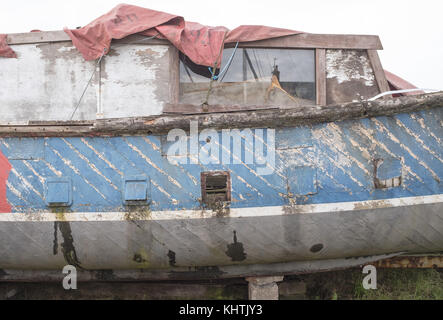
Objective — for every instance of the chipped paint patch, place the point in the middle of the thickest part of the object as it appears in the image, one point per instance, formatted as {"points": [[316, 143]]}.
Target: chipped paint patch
{"points": [[347, 65], [134, 76]]}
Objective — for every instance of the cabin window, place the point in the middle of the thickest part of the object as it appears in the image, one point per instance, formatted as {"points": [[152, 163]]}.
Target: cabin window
{"points": [[216, 187], [255, 76]]}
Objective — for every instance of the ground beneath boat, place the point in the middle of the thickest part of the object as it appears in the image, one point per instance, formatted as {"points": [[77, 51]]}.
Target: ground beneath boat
{"points": [[415, 284]]}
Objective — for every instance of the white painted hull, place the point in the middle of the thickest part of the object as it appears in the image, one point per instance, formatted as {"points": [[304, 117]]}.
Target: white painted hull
{"points": [[175, 239]]}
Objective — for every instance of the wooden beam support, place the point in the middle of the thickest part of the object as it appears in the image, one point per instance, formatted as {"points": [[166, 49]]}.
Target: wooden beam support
{"points": [[314, 41], [320, 76], [304, 40], [379, 73], [263, 288], [174, 75]]}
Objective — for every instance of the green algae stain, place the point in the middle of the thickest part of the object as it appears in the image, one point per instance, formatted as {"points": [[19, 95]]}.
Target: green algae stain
{"points": [[142, 259], [134, 213]]}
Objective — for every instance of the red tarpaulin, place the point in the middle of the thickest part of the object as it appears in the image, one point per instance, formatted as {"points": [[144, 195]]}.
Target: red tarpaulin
{"points": [[5, 50], [397, 83], [200, 43]]}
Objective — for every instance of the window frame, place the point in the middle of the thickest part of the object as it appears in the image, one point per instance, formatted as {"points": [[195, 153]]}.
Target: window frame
{"points": [[319, 42]]}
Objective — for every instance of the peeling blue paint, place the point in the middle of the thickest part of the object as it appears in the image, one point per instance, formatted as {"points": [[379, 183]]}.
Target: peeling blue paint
{"points": [[340, 153]]}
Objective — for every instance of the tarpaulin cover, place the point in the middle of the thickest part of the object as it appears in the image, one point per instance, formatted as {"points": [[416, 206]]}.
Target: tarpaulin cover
{"points": [[397, 83], [200, 43], [5, 50]]}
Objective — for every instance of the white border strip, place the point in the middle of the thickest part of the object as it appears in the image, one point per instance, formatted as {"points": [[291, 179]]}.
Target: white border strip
{"points": [[234, 213]]}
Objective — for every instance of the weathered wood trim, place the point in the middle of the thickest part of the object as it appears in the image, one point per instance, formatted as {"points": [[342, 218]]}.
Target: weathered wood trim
{"points": [[44, 131], [272, 118], [37, 37], [268, 118], [56, 123], [379, 73], [320, 76], [313, 41], [61, 36], [304, 40], [174, 75], [198, 109]]}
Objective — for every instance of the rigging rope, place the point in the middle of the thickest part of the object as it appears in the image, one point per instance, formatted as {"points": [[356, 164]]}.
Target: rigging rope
{"points": [[89, 82], [226, 67]]}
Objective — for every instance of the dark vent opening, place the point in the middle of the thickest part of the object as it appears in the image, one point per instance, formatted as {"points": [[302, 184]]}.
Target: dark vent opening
{"points": [[216, 187]]}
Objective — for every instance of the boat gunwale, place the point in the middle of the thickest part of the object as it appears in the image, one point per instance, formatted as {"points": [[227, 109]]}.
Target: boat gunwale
{"points": [[250, 117]]}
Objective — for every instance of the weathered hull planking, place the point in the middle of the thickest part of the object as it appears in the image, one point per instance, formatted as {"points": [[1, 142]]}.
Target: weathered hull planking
{"points": [[114, 240], [333, 191]]}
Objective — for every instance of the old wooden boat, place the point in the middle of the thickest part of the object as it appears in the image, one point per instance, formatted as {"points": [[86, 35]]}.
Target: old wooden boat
{"points": [[287, 167]]}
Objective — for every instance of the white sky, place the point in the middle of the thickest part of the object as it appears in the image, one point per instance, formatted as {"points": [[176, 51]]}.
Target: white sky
{"points": [[411, 31]]}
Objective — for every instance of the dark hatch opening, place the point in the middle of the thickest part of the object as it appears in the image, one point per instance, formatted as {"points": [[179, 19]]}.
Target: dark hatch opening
{"points": [[215, 187]]}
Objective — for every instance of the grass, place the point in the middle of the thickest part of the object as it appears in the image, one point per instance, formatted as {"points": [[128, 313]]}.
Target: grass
{"points": [[392, 284], [404, 284]]}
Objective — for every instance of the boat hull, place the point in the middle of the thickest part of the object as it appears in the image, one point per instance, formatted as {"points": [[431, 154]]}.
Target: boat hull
{"points": [[248, 236], [301, 196]]}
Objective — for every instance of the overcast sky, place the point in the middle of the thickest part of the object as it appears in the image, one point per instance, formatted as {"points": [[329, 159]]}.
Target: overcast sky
{"points": [[411, 31]]}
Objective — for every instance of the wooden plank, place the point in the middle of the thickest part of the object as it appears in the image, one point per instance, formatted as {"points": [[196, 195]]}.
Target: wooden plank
{"points": [[44, 131], [37, 37], [320, 76], [60, 36], [59, 123], [313, 41], [174, 75], [304, 40], [379, 73], [269, 118], [196, 109]]}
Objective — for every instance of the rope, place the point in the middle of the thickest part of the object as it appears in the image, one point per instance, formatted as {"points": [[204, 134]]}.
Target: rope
{"points": [[226, 67], [89, 82], [205, 103]]}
